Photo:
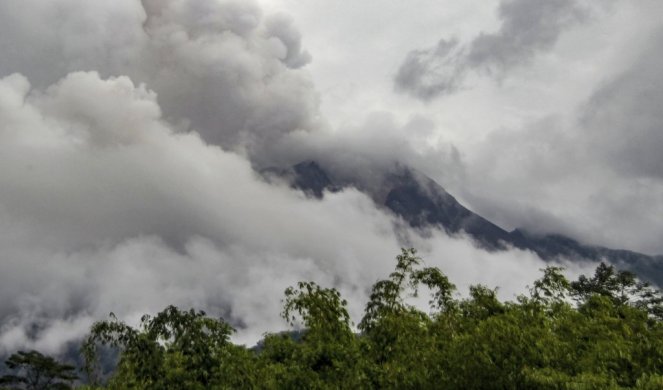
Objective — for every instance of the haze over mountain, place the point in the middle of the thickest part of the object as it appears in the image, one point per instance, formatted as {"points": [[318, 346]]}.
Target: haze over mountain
{"points": [[135, 137], [424, 204]]}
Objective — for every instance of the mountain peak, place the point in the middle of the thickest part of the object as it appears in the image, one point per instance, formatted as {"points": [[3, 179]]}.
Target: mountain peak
{"points": [[424, 204]]}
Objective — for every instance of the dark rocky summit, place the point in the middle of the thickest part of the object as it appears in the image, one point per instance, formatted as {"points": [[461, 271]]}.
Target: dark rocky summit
{"points": [[424, 204]]}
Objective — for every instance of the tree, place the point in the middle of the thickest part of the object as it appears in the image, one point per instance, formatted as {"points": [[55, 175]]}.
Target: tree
{"points": [[387, 295], [32, 370], [322, 310], [397, 337], [553, 287], [622, 287], [610, 338], [328, 354], [174, 349]]}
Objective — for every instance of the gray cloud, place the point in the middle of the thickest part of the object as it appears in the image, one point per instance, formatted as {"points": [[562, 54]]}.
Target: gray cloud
{"points": [[596, 176], [129, 186], [105, 206], [281, 27], [527, 29], [220, 68], [624, 120], [366, 152], [429, 73]]}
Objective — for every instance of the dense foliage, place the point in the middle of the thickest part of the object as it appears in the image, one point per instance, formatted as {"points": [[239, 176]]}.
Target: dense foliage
{"points": [[32, 370], [599, 332]]}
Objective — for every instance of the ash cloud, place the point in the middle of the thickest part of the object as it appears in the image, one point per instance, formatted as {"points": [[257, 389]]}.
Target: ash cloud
{"points": [[221, 68], [126, 153], [624, 120], [528, 28], [596, 175], [129, 138], [107, 206]]}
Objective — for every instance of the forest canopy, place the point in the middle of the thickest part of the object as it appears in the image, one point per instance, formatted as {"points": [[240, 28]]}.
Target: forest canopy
{"points": [[602, 331]]}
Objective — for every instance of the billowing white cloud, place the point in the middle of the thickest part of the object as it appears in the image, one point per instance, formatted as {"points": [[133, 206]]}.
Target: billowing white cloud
{"points": [[219, 67], [129, 134], [105, 207]]}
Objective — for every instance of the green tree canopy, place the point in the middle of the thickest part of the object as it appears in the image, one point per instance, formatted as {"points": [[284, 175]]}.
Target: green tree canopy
{"points": [[599, 332], [33, 370]]}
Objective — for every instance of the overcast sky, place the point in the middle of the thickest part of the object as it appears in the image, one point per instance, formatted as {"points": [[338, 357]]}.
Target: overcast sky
{"points": [[130, 130], [553, 105]]}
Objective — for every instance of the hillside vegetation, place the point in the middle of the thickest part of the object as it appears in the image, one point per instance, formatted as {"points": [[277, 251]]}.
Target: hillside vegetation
{"points": [[602, 331]]}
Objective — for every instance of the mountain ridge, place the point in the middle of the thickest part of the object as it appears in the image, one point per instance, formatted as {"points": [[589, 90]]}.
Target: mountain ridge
{"points": [[423, 203]]}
